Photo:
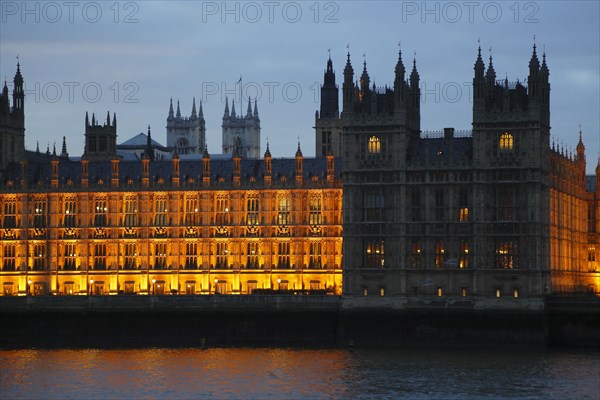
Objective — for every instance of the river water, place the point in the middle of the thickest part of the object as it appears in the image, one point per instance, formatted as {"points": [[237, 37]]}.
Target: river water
{"points": [[243, 373]]}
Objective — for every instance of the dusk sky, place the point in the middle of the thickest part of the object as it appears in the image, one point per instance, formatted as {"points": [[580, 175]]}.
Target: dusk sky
{"points": [[132, 57]]}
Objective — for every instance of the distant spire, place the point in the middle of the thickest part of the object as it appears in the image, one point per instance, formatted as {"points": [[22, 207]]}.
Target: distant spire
{"points": [[298, 151], [232, 108], [48, 149], [54, 149], [414, 75], [171, 112], [226, 114], [249, 112], [37, 146], [205, 154], [108, 118], [64, 153], [534, 63], [267, 152], [178, 115], [87, 119], [93, 120], [114, 119], [255, 108], [491, 73], [200, 111], [194, 108]]}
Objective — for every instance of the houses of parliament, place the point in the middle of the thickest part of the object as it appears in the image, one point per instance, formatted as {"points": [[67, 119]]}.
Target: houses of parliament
{"points": [[384, 209]]}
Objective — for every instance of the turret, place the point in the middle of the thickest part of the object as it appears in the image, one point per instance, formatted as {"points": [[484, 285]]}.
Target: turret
{"points": [[18, 96], [149, 151], [399, 82], [63, 152], [348, 87], [171, 116], [249, 111], [329, 93], [206, 168], [479, 81], [298, 166], [178, 115], [268, 167], [193, 116]]}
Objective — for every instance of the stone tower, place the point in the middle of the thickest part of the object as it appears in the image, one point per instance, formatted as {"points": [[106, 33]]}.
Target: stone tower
{"points": [[100, 140], [241, 135], [511, 145], [187, 135], [378, 126], [12, 123], [327, 120]]}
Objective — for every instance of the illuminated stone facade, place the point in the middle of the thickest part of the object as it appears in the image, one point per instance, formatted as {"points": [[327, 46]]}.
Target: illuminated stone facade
{"points": [[497, 211]]}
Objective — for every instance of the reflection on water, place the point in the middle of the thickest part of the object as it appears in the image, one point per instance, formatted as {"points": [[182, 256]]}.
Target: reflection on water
{"points": [[295, 374]]}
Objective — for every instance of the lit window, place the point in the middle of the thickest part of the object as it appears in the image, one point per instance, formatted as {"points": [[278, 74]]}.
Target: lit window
{"points": [[160, 255], [375, 254], [222, 253], [8, 257], [70, 216], [463, 261], [439, 253], [464, 292], [365, 292], [222, 210], [70, 257], [100, 256], [315, 255], [283, 210], [415, 258], [498, 293], [160, 211], [130, 211], [315, 215], [130, 256], [10, 213], [506, 142], [382, 291], [283, 261], [191, 255], [191, 216], [252, 254], [516, 293], [374, 146], [463, 214], [100, 212], [440, 291], [252, 217], [507, 254]]}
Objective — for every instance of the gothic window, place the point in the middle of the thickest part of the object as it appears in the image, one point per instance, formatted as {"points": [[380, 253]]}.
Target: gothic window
{"points": [[415, 205], [70, 257], [506, 142], [9, 257], [505, 204], [130, 211], [100, 256], [374, 146], [374, 253], [283, 209], [439, 253], [191, 255], [91, 144], [463, 204], [191, 215], [130, 256], [182, 146], [415, 257], [283, 261], [252, 216], [10, 213], [222, 210], [315, 210], [252, 254], [222, 253], [238, 146], [463, 258], [40, 213], [100, 212], [326, 143], [160, 255], [160, 211], [70, 217], [507, 254], [315, 255], [102, 145], [373, 206], [439, 205], [39, 256]]}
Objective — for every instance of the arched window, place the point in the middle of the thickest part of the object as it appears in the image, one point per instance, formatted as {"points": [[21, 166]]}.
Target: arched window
{"points": [[506, 142], [182, 146], [374, 145]]}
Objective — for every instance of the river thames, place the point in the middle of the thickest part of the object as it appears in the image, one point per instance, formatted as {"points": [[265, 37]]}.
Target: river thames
{"points": [[245, 373]]}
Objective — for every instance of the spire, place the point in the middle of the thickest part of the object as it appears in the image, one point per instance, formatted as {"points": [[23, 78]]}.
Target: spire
{"points": [[226, 114], [544, 68], [348, 70], [108, 118], [178, 115], [414, 75], [267, 152], [149, 138], [491, 73], [200, 111], [205, 154], [64, 153], [299, 151], [37, 146], [194, 115], [249, 111], [232, 108], [93, 120], [364, 78], [400, 70], [580, 147], [48, 149], [149, 152], [534, 63], [255, 108], [479, 65], [54, 149], [114, 120], [171, 112], [87, 119]]}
